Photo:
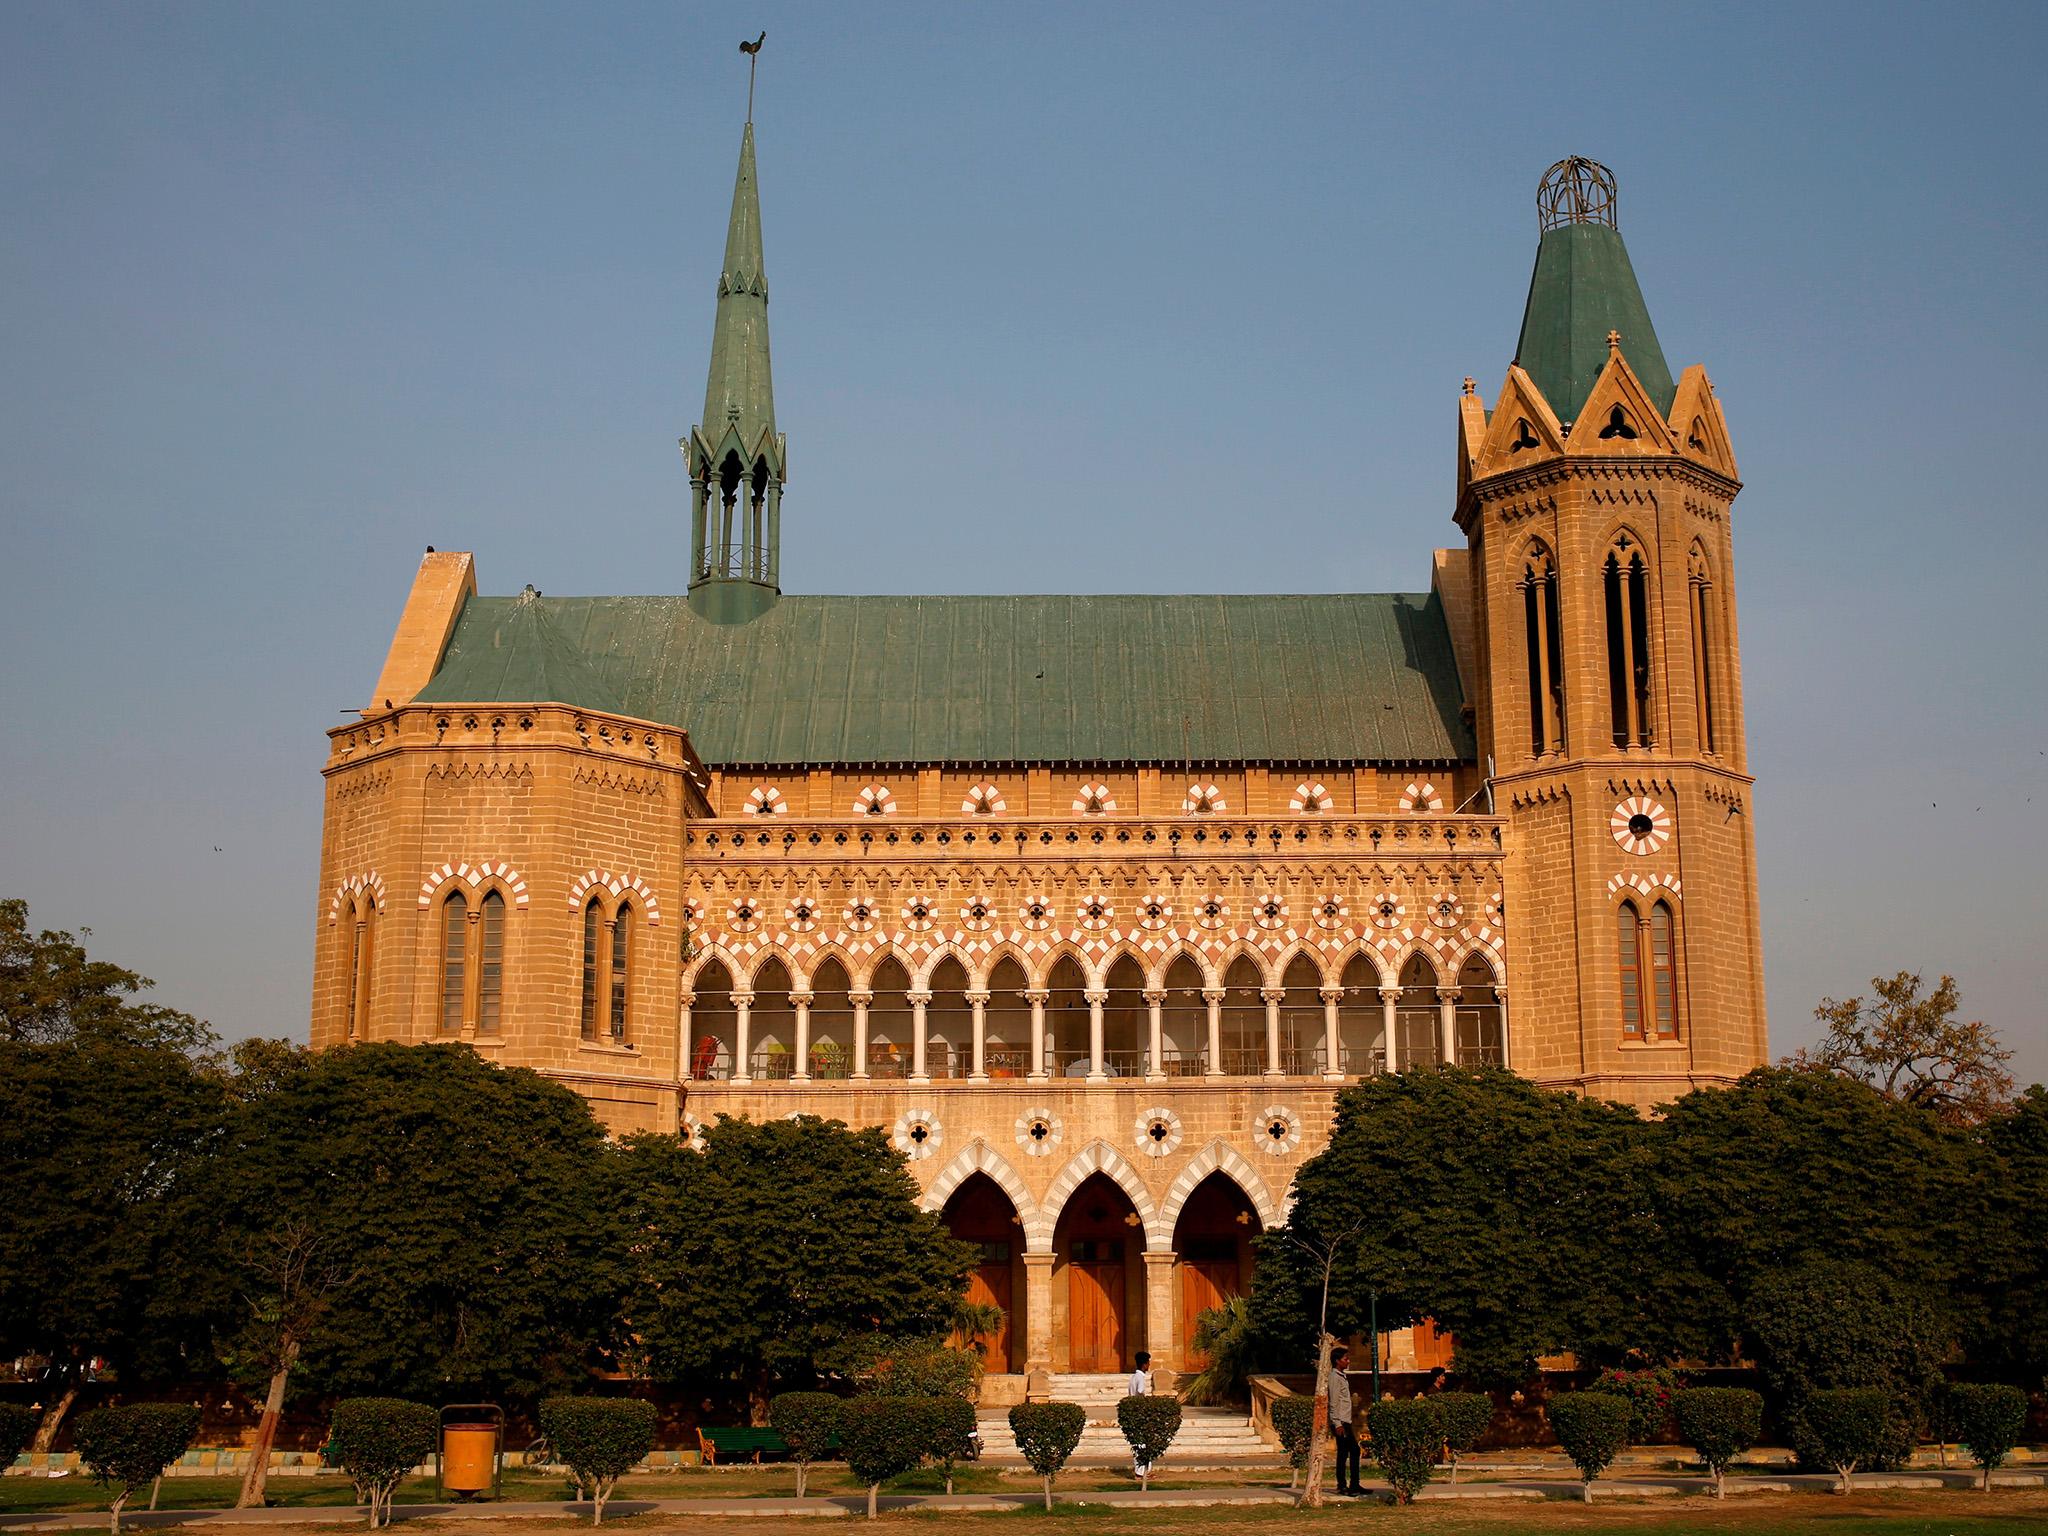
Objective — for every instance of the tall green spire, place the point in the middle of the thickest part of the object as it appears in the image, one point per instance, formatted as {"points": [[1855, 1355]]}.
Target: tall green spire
{"points": [[737, 458], [1582, 288]]}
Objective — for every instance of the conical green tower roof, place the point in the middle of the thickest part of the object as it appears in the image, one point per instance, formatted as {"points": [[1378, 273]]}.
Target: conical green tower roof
{"points": [[741, 389], [1582, 288]]}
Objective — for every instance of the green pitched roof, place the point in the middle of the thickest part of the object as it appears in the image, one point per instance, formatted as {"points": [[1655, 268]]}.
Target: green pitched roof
{"points": [[1340, 678], [1582, 288]]}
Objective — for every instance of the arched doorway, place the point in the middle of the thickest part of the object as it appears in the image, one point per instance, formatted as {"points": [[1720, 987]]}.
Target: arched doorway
{"points": [[1214, 1240], [714, 1024], [980, 1213], [1098, 1255]]}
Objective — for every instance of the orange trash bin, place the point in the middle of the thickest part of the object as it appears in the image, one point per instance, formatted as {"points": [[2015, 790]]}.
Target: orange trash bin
{"points": [[472, 1437]]}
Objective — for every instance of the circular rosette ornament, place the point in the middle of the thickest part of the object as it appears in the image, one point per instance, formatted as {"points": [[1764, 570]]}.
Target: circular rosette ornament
{"points": [[1157, 1132], [1036, 913], [1445, 910], [917, 1134], [1269, 911], [874, 800], [918, 913], [1387, 910], [860, 915], [742, 916], [976, 914], [1331, 911], [1039, 1131], [801, 914], [1278, 1130], [1095, 912], [1641, 825], [1094, 800], [765, 800], [1212, 912], [1155, 911]]}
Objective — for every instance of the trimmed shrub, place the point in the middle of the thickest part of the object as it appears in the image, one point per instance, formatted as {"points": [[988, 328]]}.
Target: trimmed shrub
{"points": [[1849, 1425], [1466, 1416], [600, 1439], [950, 1434], [1407, 1433], [1649, 1399], [1149, 1423], [376, 1441], [1592, 1427], [1988, 1421], [809, 1421], [129, 1446], [1047, 1434], [884, 1437], [1294, 1420], [1719, 1423], [17, 1428]]}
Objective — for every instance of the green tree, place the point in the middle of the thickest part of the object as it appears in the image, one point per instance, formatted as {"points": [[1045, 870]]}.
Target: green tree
{"points": [[1913, 1049], [951, 1432], [2011, 1335], [377, 1441], [884, 1437], [1294, 1418], [1407, 1433], [1719, 1423], [129, 1446], [1850, 1427], [809, 1425], [100, 1131], [52, 992], [1989, 1421], [1467, 1416], [1592, 1427], [1149, 1423], [600, 1439], [1046, 1434], [783, 1251], [411, 1219], [1787, 1166], [1513, 1216]]}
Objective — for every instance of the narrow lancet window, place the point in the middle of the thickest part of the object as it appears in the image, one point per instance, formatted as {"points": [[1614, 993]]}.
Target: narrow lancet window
{"points": [[1627, 577], [1545, 651], [593, 926], [622, 953], [491, 967], [454, 940], [1700, 583]]}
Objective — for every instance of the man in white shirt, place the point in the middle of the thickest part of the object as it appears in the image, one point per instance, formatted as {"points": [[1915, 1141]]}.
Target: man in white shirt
{"points": [[1141, 1386], [1342, 1430]]}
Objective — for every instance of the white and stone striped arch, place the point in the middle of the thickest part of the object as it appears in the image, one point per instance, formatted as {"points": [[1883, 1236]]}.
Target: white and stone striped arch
{"points": [[1181, 949], [735, 968], [1097, 1156], [1219, 1156], [475, 877], [354, 886], [979, 1157], [616, 886]]}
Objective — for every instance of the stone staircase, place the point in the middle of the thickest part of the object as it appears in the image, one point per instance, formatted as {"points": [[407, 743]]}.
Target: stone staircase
{"points": [[1209, 1437]]}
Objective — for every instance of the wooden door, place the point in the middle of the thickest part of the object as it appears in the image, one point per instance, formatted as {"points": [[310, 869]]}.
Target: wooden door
{"points": [[1095, 1316], [1204, 1283], [989, 1286]]}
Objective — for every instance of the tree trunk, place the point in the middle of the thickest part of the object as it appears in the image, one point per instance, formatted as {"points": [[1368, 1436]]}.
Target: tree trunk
{"points": [[155, 1488], [873, 1489], [257, 1478], [800, 1479], [53, 1416], [1319, 1428], [1987, 1477], [1048, 1493], [1586, 1491], [597, 1492], [1720, 1492], [114, 1513]]}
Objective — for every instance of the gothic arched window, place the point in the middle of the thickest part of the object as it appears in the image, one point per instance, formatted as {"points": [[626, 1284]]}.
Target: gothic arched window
{"points": [[621, 968], [1705, 633], [1627, 578], [361, 960], [454, 947], [490, 978], [1649, 987], [593, 931], [1545, 651]]}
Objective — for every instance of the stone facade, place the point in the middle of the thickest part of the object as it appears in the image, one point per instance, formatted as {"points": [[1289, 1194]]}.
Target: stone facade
{"points": [[1103, 1007]]}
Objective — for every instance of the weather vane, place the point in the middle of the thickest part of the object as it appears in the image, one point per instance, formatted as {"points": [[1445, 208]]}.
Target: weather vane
{"points": [[753, 52]]}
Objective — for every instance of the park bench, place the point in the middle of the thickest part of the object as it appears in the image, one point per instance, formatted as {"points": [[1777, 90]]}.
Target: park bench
{"points": [[735, 1442]]}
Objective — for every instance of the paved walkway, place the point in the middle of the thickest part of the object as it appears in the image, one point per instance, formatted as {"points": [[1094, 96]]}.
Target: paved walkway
{"points": [[841, 1505]]}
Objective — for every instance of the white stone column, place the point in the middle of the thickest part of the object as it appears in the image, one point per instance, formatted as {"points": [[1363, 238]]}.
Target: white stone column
{"points": [[1390, 1006], [1096, 998], [1507, 1054], [1273, 996], [742, 1038], [801, 1002], [1333, 1038], [860, 1001], [1036, 1072], [978, 1001], [1213, 996], [919, 1001], [683, 1024], [1155, 1059], [1447, 1025], [1161, 1337]]}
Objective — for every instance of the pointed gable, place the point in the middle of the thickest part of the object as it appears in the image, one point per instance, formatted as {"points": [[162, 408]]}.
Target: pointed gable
{"points": [[1699, 426], [1523, 429], [1620, 420]]}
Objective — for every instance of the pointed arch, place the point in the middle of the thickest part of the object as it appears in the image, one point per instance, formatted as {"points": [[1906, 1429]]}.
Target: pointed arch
{"points": [[979, 1157], [937, 955], [775, 954], [1244, 949], [885, 952], [1219, 1156], [1063, 949], [820, 957], [1097, 1156], [1362, 948], [1181, 949], [1496, 970], [1305, 949], [1001, 950], [734, 967]]}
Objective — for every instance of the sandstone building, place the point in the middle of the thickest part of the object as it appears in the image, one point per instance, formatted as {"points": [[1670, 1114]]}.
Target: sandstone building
{"points": [[1094, 902]]}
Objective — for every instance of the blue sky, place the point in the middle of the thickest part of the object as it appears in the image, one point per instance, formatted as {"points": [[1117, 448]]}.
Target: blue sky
{"points": [[1152, 298]]}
